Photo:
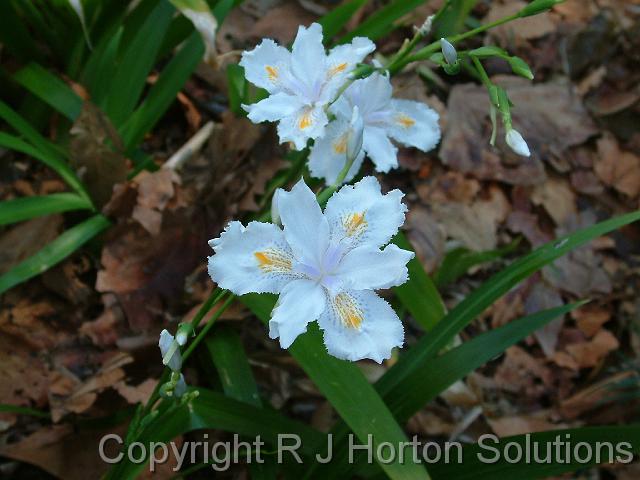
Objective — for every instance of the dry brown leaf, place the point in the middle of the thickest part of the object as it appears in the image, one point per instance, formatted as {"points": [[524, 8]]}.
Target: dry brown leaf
{"points": [[528, 28], [522, 424], [591, 353], [68, 393], [591, 318], [541, 298], [474, 226], [138, 393], [550, 127], [63, 451], [616, 168], [25, 378], [427, 237], [557, 198], [95, 149], [519, 372], [594, 396]]}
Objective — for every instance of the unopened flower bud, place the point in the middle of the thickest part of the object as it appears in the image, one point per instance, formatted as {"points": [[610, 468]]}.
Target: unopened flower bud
{"points": [[517, 143], [449, 51]]}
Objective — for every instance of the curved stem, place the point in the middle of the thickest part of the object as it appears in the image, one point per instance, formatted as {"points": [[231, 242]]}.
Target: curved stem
{"points": [[432, 48]]}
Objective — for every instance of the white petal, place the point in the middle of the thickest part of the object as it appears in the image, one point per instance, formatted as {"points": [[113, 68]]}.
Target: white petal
{"points": [[304, 124], [265, 65], [380, 149], [165, 343], [369, 268], [275, 107], [360, 324], [372, 96], [414, 124], [252, 259], [308, 56], [361, 214], [305, 227], [342, 60], [517, 143], [328, 154], [300, 302]]}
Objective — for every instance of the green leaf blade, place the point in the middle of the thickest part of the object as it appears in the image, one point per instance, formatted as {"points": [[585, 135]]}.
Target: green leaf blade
{"points": [[19, 209], [54, 252]]}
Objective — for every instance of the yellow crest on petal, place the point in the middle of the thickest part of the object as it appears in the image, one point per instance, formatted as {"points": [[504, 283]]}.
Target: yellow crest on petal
{"points": [[348, 311]]}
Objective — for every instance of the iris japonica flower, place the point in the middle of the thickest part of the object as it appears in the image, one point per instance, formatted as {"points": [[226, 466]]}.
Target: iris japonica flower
{"points": [[410, 123], [325, 266], [301, 83]]}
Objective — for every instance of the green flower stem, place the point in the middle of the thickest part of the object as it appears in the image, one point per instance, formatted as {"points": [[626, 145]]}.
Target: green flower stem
{"points": [[426, 52], [203, 333], [214, 298]]}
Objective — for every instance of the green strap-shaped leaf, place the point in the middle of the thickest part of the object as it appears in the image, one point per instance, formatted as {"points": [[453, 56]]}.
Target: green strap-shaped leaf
{"points": [[346, 388], [416, 363], [28, 132], [382, 21], [338, 17], [50, 89], [225, 350], [54, 252], [163, 92], [419, 294], [624, 441], [19, 209], [138, 59], [213, 410], [417, 358], [49, 158], [444, 371]]}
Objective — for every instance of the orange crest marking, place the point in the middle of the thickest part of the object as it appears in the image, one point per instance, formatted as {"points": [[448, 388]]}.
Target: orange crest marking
{"points": [[348, 311], [272, 260]]}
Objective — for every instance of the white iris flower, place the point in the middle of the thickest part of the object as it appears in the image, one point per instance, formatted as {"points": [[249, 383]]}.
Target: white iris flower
{"points": [[410, 123], [325, 266], [301, 83]]}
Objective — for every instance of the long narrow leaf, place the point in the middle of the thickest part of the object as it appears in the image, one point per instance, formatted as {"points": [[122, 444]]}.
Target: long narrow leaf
{"points": [[419, 294], [50, 159], [228, 356], [337, 18], [54, 252], [455, 364], [382, 21], [50, 89], [19, 209], [346, 388], [417, 358], [624, 441], [164, 91], [137, 61], [27, 131], [213, 410]]}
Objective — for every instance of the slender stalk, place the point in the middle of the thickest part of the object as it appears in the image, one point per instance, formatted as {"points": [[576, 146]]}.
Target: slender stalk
{"points": [[432, 48], [203, 333], [214, 298]]}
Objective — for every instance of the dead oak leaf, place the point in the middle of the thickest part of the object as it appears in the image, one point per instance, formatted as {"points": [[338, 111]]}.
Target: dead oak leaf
{"points": [[69, 394], [549, 117], [475, 226], [616, 168], [591, 353], [95, 149]]}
